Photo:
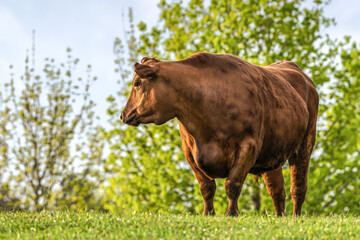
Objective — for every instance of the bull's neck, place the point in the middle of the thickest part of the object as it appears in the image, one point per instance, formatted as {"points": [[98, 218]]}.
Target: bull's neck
{"points": [[195, 124], [190, 109]]}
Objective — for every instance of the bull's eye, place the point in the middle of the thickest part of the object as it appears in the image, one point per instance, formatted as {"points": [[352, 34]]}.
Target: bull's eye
{"points": [[137, 83]]}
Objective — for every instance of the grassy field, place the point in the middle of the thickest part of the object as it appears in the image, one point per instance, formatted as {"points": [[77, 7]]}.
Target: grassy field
{"points": [[95, 225]]}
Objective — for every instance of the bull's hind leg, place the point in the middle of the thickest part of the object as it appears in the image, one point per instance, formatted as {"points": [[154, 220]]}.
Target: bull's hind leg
{"points": [[274, 181], [243, 162], [299, 166]]}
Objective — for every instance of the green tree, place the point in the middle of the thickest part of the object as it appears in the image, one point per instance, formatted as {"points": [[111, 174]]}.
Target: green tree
{"points": [[7, 198], [261, 32], [335, 178], [50, 144]]}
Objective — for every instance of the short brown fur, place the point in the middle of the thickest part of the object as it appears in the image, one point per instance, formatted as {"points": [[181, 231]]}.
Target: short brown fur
{"points": [[235, 118]]}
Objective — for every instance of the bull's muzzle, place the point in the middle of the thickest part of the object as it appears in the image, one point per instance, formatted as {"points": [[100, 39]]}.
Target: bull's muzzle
{"points": [[126, 119], [129, 118]]}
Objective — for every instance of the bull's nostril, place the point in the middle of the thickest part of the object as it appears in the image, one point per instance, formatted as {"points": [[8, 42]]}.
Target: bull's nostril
{"points": [[127, 120], [121, 116]]}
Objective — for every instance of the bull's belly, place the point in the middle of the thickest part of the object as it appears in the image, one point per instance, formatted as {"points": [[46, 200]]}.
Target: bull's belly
{"points": [[216, 162], [262, 165], [273, 157]]}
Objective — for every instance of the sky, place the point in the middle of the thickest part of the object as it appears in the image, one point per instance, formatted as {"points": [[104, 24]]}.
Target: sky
{"points": [[89, 27]]}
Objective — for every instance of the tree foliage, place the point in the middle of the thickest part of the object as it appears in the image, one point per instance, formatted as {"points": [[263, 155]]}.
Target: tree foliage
{"points": [[334, 173], [49, 142]]}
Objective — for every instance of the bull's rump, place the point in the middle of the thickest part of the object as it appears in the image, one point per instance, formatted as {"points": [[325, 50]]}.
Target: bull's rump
{"points": [[287, 116]]}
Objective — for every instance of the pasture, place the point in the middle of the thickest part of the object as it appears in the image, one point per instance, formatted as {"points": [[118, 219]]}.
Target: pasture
{"points": [[97, 225], [64, 145]]}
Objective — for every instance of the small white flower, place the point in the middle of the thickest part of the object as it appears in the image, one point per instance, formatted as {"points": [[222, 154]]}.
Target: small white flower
{"points": [[243, 228], [204, 229]]}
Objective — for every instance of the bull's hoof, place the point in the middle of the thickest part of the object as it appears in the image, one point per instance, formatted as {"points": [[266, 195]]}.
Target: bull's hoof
{"points": [[280, 214], [296, 214], [232, 213], [210, 212]]}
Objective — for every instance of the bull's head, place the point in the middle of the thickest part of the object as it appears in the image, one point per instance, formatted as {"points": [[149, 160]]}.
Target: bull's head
{"points": [[150, 97]]}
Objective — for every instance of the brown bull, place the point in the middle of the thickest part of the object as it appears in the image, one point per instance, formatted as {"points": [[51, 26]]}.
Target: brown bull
{"points": [[235, 118]]}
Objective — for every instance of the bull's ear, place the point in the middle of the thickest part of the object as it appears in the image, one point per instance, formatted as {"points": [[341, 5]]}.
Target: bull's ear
{"points": [[144, 71]]}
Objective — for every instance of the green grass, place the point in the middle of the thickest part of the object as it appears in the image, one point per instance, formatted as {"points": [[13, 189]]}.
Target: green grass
{"points": [[96, 225]]}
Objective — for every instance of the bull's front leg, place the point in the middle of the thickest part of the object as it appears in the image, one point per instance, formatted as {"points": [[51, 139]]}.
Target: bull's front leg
{"points": [[244, 160], [207, 186]]}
